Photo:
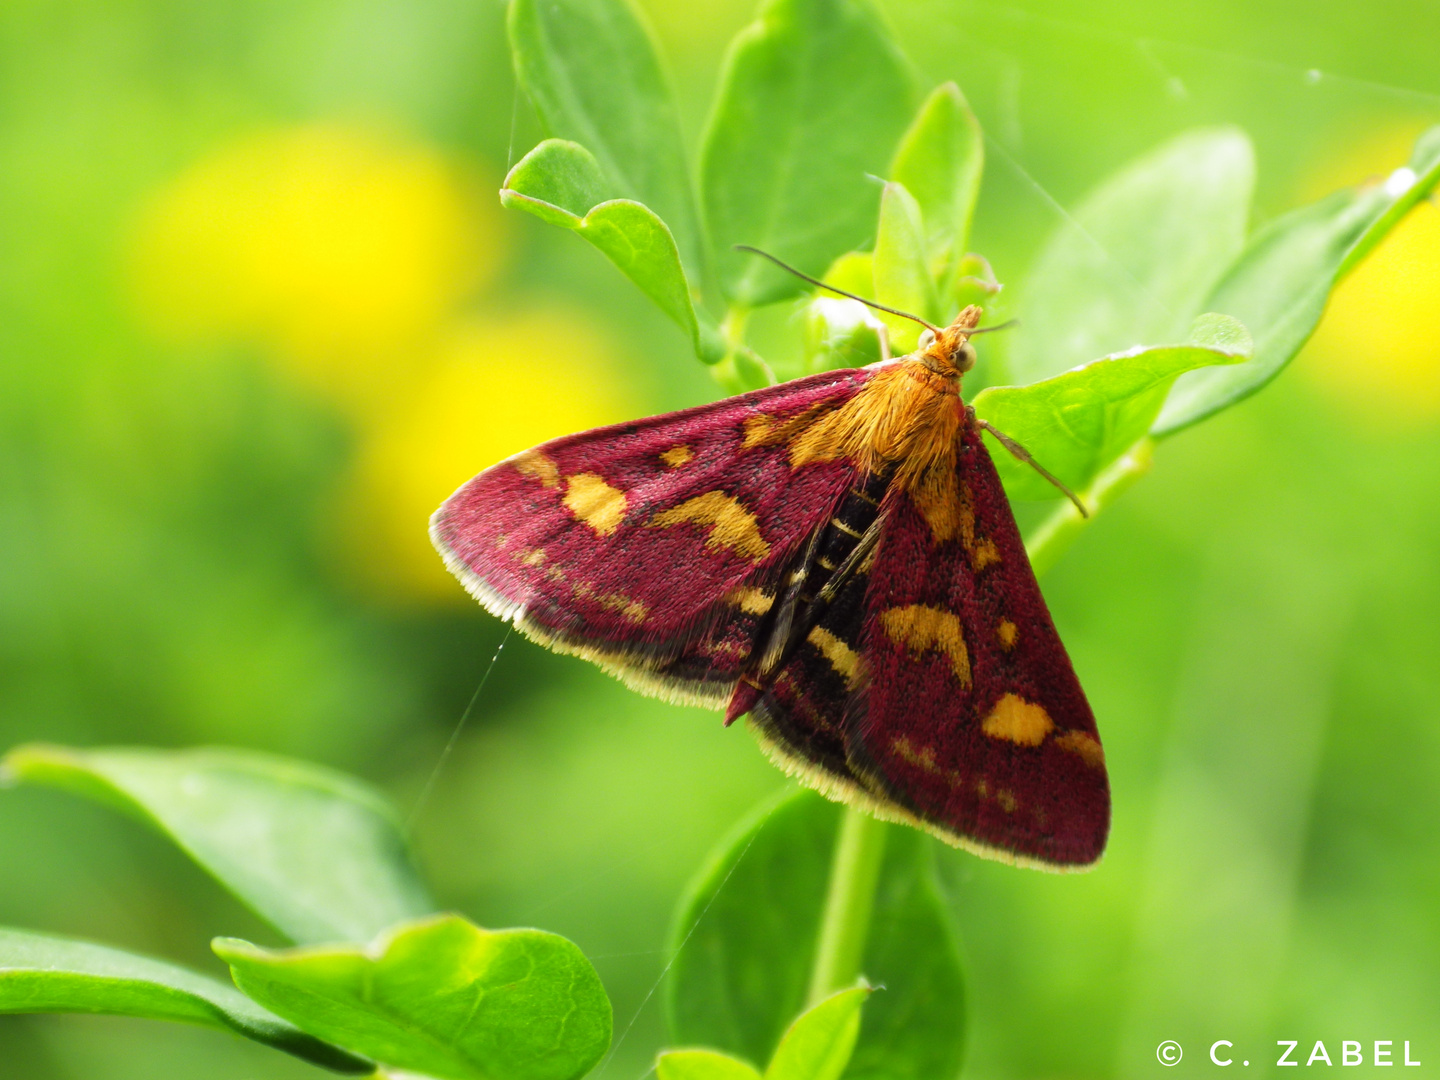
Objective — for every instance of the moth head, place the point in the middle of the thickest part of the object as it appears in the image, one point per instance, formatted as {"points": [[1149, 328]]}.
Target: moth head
{"points": [[949, 351]]}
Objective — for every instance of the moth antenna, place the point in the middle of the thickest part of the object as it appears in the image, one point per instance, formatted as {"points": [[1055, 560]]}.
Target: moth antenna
{"points": [[1008, 324], [820, 284], [1021, 454]]}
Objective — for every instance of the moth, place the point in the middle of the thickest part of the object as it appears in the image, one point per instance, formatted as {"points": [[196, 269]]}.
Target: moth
{"points": [[833, 557]]}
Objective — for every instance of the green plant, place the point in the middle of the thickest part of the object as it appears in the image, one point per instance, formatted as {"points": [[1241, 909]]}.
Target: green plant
{"points": [[1152, 308], [377, 980], [1156, 274], [376, 975]]}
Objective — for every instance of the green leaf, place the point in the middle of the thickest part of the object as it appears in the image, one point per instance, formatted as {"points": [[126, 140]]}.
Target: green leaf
{"points": [[593, 71], [915, 1026], [1078, 423], [1279, 286], [318, 855], [702, 1065], [562, 183], [819, 1043], [751, 369], [940, 161], [840, 334], [558, 182], [813, 98], [746, 936], [1137, 259], [44, 974], [902, 271], [441, 996]]}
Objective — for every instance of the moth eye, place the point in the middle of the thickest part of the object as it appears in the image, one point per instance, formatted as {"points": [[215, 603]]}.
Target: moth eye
{"points": [[927, 338], [967, 357]]}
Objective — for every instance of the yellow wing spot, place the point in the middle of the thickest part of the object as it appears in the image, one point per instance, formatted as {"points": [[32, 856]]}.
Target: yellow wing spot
{"points": [[633, 610], [1087, 747], [923, 758], [724, 651], [751, 600], [731, 525], [595, 502], [923, 629], [948, 508], [762, 429], [845, 660], [938, 497], [1008, 633], [984, 554], [1022, 722], [533, 463], [533, 557], [628, 608], [677, 456], [1004, 796]]}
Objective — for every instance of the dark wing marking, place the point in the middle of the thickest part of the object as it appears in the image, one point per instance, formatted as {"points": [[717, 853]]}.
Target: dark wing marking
{"points": [[800, 717]]}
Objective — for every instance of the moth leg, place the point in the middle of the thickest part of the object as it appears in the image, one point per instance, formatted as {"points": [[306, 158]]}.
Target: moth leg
{"points": [[802, 619], [847, 538], [782, 628], [846, 569], [1021, 454]]}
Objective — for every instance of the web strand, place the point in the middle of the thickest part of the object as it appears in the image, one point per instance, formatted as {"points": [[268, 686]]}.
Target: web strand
{"points": [[1054, 204], [454, 739], [1145, 46], [678, 950], [514, 120]]}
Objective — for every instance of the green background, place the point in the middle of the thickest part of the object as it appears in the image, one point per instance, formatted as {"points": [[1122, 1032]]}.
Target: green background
{"points": [[259, 312]]}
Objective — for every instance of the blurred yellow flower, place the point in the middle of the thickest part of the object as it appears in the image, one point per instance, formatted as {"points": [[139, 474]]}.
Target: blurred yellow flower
{"points": [[340, 250], [1376, 348], [494, 390], [347, 256], [1379, 344]]}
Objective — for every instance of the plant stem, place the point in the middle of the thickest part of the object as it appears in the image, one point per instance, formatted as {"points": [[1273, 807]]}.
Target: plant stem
{"points": [[732, 326], [845, 923], [741, 368], [1057, 532]]}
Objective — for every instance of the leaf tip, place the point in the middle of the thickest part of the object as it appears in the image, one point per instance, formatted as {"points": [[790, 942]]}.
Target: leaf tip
{"points": [[1223, 333], [26, 761], [233, 948]]}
